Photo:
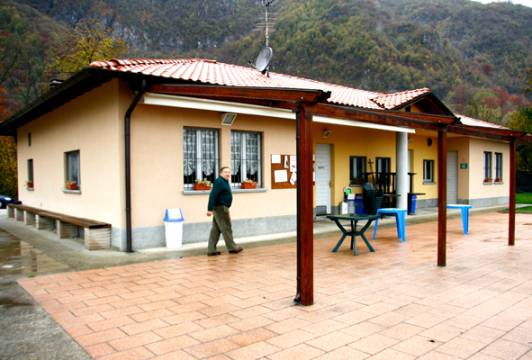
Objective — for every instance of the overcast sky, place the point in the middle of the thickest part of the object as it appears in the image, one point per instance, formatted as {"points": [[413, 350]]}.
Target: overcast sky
{"points": [[522, 2]]}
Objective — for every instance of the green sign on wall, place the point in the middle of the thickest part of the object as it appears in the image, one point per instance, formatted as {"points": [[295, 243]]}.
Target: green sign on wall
{"points": [[463, 166]]}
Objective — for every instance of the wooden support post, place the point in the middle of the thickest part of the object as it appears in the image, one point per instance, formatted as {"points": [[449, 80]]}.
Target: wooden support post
{"points": [[511, 205], [442, 197], [305, 236]]}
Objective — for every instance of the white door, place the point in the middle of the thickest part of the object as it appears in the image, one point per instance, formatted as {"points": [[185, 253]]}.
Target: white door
{"points": [[323, 179], [452, 177]]}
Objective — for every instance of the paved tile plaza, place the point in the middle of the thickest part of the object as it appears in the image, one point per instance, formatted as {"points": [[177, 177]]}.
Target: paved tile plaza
{"points": [[391, 304]]}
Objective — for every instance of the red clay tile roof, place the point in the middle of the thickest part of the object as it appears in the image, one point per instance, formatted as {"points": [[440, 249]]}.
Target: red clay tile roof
{"points": [[217, 73], [393, 100]]}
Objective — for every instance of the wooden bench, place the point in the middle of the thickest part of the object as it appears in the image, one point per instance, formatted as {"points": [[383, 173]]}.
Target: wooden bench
{"points": [[96, 234]]}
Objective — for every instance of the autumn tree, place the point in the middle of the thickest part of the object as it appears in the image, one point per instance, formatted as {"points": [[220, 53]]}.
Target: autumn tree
{"points": [[521, 120], [8, 152], [89, 42]]}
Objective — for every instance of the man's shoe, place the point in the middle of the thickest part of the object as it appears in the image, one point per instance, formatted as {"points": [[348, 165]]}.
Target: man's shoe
{"points": [[216, 253], [235, 251]]}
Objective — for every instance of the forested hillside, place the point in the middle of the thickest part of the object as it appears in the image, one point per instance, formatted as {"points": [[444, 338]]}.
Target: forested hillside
{"points": [[476, 57]]}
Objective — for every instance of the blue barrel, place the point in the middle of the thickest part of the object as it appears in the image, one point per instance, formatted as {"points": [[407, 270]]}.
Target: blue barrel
{"points": [[412, 202], [359, 205]]}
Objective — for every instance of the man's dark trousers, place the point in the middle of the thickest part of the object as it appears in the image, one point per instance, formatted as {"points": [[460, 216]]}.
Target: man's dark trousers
{"points": [[221, 223]]}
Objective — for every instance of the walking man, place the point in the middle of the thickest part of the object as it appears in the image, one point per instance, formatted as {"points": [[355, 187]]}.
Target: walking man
{"points": [[220, 200]]}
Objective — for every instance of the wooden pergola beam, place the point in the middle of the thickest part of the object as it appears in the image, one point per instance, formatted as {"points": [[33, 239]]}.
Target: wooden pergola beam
{"points": [[305, 207], [442, 197], [511, 205], [381, 117], [239, 92]]}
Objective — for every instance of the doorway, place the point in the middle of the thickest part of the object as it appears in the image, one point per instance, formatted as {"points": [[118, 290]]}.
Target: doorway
{"points": [[452, 177], [323, 179]]}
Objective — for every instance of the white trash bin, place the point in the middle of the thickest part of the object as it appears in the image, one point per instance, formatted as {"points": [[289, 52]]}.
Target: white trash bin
{"points": [[173, 228]]}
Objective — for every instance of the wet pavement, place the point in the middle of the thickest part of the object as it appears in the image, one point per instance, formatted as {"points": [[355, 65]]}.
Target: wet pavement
{"points": [[27, 331]]}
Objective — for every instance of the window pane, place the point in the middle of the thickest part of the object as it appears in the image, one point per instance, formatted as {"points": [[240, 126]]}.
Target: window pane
{"points": [[428, 170], [245, 157], [252, 156], [189, 156], [30, 170], [358, 169], [200, 155], [72, 167], [208, 155], [236, 157]]}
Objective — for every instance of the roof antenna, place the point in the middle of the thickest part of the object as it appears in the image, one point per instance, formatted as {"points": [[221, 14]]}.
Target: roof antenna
{"points": [[264, 59]]}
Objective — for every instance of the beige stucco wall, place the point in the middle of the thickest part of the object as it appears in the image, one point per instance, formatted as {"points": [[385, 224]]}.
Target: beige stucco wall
{"points": [[157, 165], [479, 190], [91, 124], [349, 141], [420, 150]]}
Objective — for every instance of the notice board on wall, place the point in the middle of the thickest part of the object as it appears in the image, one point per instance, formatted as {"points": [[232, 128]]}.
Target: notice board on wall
{"points": [[283, 171]]}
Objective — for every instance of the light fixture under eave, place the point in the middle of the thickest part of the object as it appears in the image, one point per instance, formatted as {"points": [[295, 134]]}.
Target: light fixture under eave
{"points": [[228, 119]]}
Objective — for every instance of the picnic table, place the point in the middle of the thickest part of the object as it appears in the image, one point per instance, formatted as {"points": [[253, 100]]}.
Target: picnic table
{"points": [[351, 230]]}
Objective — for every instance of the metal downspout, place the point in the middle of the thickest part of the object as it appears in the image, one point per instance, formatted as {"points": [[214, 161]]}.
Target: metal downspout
{"points": [[127, 141]]}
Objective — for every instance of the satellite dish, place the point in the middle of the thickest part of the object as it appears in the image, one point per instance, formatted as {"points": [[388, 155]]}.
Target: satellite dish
{"points": [[264, 59]]}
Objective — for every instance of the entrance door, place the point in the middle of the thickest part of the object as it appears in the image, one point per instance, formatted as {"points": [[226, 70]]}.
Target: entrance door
{"points": [[452, 177], [323, 179]]}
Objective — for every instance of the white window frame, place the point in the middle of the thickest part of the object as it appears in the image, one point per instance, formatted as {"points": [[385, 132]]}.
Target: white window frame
{"points": [[430, 178], [488, 164], [199, 157], [381, 160], [68, 176], [243, 153], [498, 167], [359, 179]]}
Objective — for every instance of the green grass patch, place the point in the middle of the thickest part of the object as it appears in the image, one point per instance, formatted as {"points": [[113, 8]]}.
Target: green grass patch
{"points": [[523, 198], [521, 210]]}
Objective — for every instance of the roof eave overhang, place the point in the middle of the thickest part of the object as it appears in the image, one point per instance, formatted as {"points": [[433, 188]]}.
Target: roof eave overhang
{"points": [[485, 132], [83, 81]]}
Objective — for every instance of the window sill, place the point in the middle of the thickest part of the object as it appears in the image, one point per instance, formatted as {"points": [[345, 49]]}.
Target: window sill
{"points": [[196, 192], [429, 183], [235, 191], [498, 183], [487, 183], [257, 190], [66, 191], [30, 189]]}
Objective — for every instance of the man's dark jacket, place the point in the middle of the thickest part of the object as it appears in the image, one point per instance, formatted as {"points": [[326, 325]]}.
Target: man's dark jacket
{"points": [[221, 194]]}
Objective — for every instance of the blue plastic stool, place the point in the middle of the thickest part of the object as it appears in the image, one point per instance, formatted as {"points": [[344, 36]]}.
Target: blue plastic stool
{"points": [[465, 214], [400, 219]]}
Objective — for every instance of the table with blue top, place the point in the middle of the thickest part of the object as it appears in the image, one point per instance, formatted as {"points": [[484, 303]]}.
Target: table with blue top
{"points": [[352, 231], [465, 214], [400, 220]]}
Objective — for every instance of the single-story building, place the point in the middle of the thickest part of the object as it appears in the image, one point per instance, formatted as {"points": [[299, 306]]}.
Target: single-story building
{"points": [[74, 143]]}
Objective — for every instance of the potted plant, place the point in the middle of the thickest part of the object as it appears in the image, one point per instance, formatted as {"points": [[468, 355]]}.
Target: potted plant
{"points": [[248, 184], [487, 180], [202, 185], [29, 184], [71, 185]]}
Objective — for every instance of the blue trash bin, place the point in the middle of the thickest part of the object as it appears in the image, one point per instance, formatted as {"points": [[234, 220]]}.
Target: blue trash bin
{"points": [[412, 203], [360, 209]]}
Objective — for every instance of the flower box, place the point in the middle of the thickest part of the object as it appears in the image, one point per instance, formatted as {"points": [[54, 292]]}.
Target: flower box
{"points": [[29, 184], [248, 185], [71, 185], [201, 187]]}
